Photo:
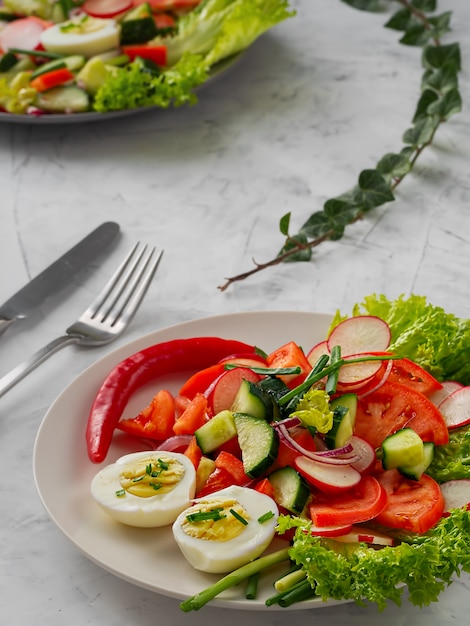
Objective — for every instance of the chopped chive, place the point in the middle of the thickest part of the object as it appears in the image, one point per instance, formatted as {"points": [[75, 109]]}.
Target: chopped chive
{"points": [[239, 517], [267, 371], [202, 516], [148, 469], [264, 518], [137, 479], [120, 493], [156, 486], [252, 587], [163, 465]]}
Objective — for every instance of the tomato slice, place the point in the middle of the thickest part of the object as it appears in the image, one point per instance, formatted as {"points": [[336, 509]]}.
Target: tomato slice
{"points": [[413, 375], [155, 421], [218, 479], [290, 355], [392, 407], [193, 417], [359, 504], [234, 466], [411, 504]]}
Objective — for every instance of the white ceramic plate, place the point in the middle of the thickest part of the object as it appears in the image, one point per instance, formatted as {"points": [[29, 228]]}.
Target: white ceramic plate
{"points": [[148, 558], [92, 116]]}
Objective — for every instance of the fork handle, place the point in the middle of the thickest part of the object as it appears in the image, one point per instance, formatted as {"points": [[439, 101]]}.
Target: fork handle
{"points": [[20, 371], [4, 324]]}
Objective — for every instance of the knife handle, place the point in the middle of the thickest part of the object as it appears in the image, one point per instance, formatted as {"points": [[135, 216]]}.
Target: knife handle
{"points": [[4, 324]]}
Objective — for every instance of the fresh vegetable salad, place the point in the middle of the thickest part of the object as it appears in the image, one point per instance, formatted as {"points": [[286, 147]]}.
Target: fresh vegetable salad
{"points": [[75, 56], [355, 451]]}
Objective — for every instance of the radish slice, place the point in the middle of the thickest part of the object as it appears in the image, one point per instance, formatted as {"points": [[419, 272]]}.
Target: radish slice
{"points": [[364, 451], [317, 351], [383, 379], [448, 387], [330, 531], [223, 390], [364, 333], [23, 33], [328, 478], [358, 534], [456, 494], [455, 409], [356, 375]]}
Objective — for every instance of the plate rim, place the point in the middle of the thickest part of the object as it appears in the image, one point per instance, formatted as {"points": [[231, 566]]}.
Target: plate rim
{"points": [[109, 360]]}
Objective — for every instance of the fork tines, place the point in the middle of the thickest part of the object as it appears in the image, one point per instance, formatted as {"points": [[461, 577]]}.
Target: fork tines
{"points": [[126, 288]]}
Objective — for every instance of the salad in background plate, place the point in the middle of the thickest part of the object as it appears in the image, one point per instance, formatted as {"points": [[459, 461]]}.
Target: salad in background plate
{"points": [[78, 56]]}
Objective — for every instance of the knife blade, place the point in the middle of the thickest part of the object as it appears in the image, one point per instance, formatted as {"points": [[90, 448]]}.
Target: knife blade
{"points": [[57, 276]]}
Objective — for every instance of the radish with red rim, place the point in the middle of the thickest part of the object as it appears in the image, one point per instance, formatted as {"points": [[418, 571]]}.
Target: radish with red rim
{"points": [[448, 387], [359, 534], [455, 409], [327, 477], [364, 333], [456, 494]]}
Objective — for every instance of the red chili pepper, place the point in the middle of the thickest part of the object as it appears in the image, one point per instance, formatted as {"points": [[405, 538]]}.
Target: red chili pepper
{"points": [[174, 356]]}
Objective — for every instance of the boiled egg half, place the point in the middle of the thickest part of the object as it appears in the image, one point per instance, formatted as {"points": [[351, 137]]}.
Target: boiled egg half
{"points": [[226, 529], [83, 35], [146, 489]]}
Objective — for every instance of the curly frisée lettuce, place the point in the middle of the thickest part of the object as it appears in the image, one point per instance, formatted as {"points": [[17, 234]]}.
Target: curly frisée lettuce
{"points": [[423, 332], [426, 563], [214, 31]]}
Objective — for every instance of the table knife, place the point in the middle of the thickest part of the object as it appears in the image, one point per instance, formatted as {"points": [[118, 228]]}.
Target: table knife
{"points": [[57, 276]]}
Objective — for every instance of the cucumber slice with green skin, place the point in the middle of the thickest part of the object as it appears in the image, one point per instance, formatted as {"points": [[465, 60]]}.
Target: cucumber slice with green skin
{"points": [[74, 62], [416, 471], [250, 400], [258, 441], [344, 417], [217, 431], [404, 448], [291, 490], [64, 99]]}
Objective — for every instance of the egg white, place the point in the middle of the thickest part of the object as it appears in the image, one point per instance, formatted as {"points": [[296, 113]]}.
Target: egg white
{"points": [[144, 512], [103, 35], [219, 557]]}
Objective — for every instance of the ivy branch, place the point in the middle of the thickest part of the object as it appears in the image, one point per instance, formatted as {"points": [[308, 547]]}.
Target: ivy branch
{"points": [[439, 100]]}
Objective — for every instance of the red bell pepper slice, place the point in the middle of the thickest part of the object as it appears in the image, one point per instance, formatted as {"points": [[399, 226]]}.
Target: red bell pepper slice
{"points": [[157, 54], [51, 79], [233, 466], [193, 417]]}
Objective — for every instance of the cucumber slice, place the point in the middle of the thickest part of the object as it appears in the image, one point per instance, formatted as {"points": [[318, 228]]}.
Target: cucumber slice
{"points": [[249, 400], [291, 490], [402, 449], [74, 62], [64, 99], [416, 471], [258, 441], [217, 431], [344, 417]]}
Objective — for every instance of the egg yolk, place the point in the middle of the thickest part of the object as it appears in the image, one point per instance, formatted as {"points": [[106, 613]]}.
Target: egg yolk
{"points": [[215, 520], [149, 477]]}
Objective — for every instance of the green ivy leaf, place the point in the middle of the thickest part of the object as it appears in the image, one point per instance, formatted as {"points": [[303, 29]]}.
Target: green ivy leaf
{"points": [[440, 24], [427, 97], [303, 254], [422, 132], [284, 223], [440, 57], [400, 20], [373, 190], [447, 105], [317, 225], [417, 34], [363, 5], [441, 80], [426, 6], [340, 213], [394, 166]]}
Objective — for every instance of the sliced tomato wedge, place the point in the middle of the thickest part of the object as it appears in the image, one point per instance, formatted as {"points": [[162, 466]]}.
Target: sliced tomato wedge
{"points": [[359, 504], [413, 375], [392, 407], [290, 355], [155, 421], [414, 505], [193, 417]]}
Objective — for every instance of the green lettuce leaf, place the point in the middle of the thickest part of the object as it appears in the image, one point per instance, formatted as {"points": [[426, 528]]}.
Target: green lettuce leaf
{"points": [[426, 563], [217, 29], [427, 334]]}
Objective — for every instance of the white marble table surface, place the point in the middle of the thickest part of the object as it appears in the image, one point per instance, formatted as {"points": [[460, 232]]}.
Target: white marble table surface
{"points": [[314, 102]]}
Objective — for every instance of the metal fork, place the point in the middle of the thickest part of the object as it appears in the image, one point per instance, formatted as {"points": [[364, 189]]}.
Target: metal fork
{"points": [[106, 317]]}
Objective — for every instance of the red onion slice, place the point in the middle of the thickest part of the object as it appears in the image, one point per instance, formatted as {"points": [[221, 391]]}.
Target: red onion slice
{"points": [[326, 456], [174, 443]]}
